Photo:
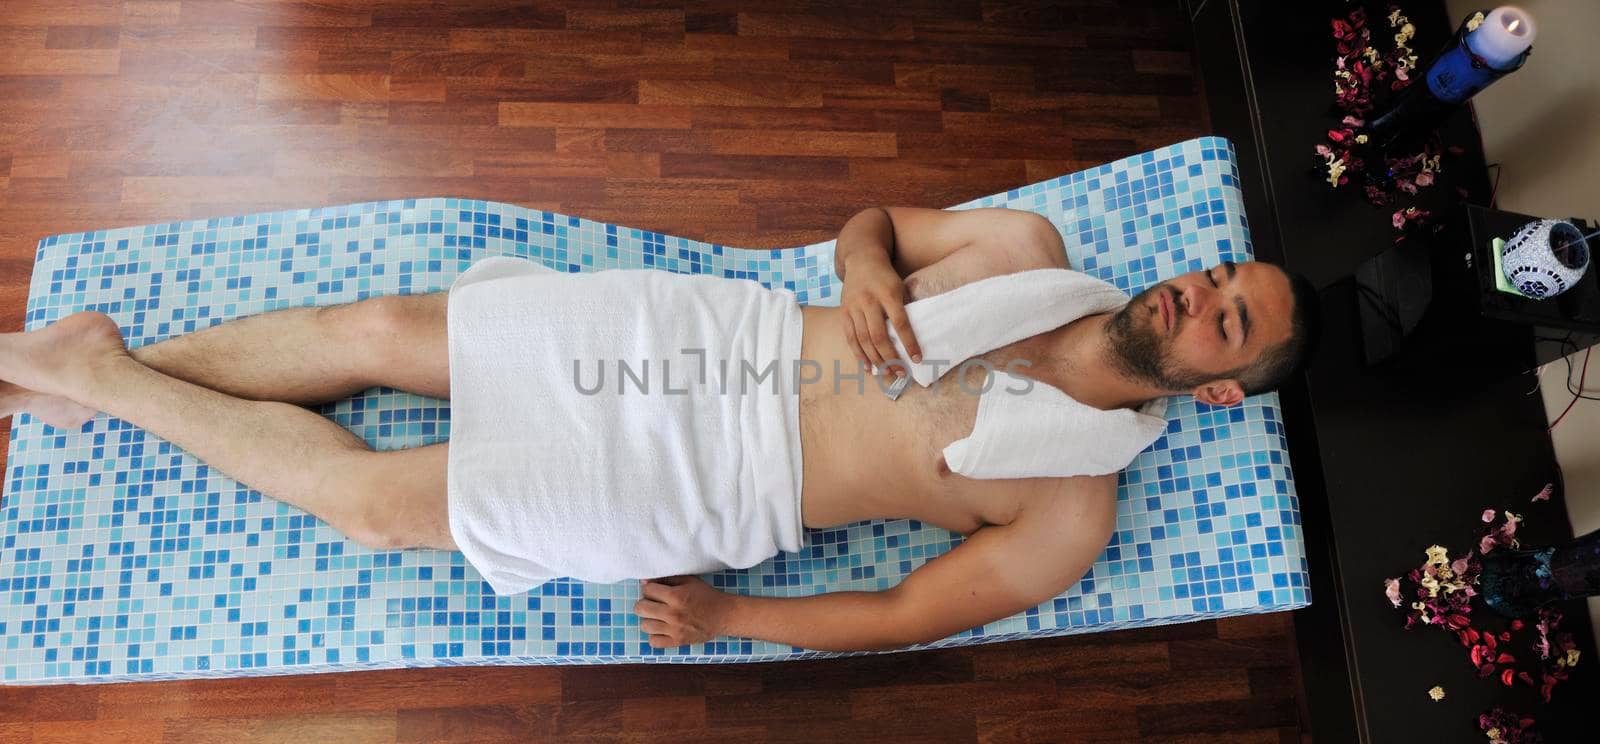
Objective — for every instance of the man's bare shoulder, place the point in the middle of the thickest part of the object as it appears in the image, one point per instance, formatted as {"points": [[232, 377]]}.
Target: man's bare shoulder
{"points": [[1080, 508], [1044, 236], [1008, 239], [1004, 569], [1031, 236], [1028, 241], [1075, 494], [1062, 529]]}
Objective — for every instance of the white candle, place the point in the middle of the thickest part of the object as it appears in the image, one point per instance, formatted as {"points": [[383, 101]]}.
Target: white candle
{"points": [[1503, 36]]}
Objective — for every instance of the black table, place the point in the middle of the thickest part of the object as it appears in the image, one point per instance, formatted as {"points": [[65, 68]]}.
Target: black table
{"points": [[1386, 462]]}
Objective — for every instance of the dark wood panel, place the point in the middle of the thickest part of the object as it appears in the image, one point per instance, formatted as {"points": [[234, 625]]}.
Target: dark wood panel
{"points": [[754, 124]]}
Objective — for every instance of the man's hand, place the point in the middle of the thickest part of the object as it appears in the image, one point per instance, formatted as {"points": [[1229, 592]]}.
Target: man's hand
{"points": [[680, 610], [878, 246], [874, 296]]}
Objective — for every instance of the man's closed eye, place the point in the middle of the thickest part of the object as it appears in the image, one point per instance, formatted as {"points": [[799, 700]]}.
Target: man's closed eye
{"points": [[1222, 318]]}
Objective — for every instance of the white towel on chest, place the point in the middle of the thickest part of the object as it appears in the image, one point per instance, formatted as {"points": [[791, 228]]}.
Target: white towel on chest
{"points": [[1026, 428]]}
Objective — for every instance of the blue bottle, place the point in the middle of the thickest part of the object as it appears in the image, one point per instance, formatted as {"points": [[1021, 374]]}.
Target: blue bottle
{"points": [[1469, 63]]}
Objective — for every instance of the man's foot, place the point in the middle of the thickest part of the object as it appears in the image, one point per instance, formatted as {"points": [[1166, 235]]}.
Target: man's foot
{"points": [[58, 361], [51, 409]]}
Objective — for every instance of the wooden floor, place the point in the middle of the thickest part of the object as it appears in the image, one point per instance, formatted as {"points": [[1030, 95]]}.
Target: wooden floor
{"points": [[734, 122]]}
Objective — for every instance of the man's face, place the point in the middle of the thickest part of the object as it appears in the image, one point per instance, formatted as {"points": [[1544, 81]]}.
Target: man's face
{"points": [[1191, 332]]}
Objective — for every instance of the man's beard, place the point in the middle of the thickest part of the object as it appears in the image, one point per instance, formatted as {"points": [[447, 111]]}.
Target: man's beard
{"points": [[1141, 353]]}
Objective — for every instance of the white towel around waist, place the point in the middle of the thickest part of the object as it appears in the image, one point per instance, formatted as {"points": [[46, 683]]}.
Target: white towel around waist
{"points": [[546, 480]]}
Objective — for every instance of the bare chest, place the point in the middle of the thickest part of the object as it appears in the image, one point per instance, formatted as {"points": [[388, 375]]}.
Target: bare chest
{"points": [[867, 457]]}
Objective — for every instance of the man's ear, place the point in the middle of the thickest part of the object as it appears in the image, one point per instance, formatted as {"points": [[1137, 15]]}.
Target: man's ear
{"points": [[1220, 393]]}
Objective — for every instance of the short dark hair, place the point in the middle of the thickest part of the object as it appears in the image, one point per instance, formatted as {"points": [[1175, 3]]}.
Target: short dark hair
{"points": [[1279, 364]]}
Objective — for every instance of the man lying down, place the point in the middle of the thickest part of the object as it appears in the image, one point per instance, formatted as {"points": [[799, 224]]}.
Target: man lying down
{"points": [[642, 425]]}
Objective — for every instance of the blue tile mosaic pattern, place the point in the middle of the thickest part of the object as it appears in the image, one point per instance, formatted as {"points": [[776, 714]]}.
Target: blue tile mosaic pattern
{"points": [[124, 558]]}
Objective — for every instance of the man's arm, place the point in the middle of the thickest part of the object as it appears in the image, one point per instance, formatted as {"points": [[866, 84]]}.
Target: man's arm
{"points": [[997, 572], [913, 238], [888, 256]]}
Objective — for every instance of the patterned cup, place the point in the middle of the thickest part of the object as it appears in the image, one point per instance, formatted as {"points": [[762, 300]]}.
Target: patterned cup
{"points": [[1545, 258]]}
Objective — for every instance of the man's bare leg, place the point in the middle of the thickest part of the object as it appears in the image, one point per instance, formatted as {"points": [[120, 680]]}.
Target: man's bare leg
{"points": [[388, 499], [303, 355]]}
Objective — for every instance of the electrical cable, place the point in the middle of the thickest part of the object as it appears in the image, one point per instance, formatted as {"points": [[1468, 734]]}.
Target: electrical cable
{"points": [[1566, 356], [1581, 379], [1577, 392]]}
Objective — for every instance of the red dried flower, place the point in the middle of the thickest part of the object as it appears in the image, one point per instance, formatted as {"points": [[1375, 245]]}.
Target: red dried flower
{"points": [[1443, 590], [1358, 69], [1503, 727]]}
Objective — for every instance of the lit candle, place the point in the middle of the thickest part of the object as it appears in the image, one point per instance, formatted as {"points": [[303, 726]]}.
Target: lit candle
{"points": [[1487, 53], [1484, 49], [1503, 36]]}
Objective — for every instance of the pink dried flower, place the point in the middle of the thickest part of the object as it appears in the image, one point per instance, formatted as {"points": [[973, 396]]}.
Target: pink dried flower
{"points": [[1502, 727], [1359, 69], [1443, 590], [1508, 532]]}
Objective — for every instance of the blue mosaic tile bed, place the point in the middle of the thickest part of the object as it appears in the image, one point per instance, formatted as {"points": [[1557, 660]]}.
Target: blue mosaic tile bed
{"points": [[126, 559]]}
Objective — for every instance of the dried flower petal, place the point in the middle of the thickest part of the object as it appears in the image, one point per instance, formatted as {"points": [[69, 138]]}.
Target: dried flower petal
{"points": [[1335, 172], [1443, 596], [1544, 495]]}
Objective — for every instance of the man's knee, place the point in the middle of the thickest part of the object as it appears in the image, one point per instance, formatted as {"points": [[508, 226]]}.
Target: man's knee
{"points": [[395, 499], [394, 315], [369, 524], [387, 322]]}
